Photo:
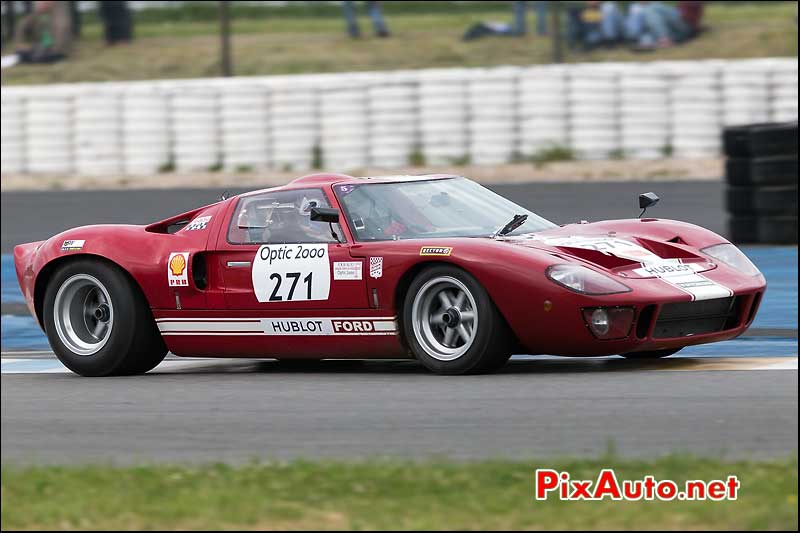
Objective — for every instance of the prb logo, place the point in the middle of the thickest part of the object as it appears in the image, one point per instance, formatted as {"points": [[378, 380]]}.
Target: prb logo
{"points": [[177, 273], [435, 250]]}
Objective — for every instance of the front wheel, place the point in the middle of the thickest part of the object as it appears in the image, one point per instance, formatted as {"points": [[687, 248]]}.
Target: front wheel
{"points": [[451, 324], [98, 322], [655, 354]]}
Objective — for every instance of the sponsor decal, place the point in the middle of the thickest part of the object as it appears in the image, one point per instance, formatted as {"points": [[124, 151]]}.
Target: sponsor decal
{"points": [[198, 223], [435, 250], [177, 269], [375, 267], [666, 268], [330, 326], [72, 245], [347, 270], [685, 277], [291, 273], [345, 189]]}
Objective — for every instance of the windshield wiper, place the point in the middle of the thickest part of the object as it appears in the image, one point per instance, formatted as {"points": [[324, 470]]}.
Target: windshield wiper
{"points": [[516, 222]]}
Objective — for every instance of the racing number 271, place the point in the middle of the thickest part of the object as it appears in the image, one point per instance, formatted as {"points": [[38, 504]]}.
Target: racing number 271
{"points": [[295, 277]]}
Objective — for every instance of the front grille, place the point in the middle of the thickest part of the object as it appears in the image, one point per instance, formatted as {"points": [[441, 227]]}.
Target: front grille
{"points": [[695, 318]]}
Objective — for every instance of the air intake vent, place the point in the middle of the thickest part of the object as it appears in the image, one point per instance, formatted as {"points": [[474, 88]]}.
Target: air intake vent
{"points": [[695, 318]]}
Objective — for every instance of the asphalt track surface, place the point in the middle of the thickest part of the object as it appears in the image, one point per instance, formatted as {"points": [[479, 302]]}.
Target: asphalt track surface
{"points": [[31, 216], [347, 410], [213, 411]]}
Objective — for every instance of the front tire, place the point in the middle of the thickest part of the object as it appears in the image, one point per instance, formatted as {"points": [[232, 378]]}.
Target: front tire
{"points": [[98, 322], [451, 324], [655, 354]]}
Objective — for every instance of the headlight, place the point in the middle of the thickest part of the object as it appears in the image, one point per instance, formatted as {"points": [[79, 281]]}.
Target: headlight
{"points": [[609, 322], [733, 257], [584, 280]]}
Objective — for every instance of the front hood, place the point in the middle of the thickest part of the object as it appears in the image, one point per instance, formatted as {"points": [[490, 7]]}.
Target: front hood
{"points": [[619, 253]]}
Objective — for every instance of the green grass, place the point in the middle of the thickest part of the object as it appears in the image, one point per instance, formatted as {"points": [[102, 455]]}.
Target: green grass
{"points": [[552, 154], [299, 40], [383, 494]]}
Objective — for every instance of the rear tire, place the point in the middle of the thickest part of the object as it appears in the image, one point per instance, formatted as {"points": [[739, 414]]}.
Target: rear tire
{"points": [[451, 324], [99, 323], [655, 354]]}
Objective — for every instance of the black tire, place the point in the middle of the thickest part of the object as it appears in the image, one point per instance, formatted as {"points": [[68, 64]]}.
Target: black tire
{"points": [[655, 354], [776, 200], [133, 345], [759, 140], [777, 230], [490, 346], [761, 171], [740, 200], [743, 229], [762, 200]]}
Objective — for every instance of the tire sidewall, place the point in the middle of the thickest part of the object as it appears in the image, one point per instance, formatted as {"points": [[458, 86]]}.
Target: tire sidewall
{"points": [[112, 355], [482, 344]]}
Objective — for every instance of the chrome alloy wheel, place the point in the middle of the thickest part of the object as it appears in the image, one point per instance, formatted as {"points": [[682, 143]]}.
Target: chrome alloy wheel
{"points": [[83, 314], [444, 318]]}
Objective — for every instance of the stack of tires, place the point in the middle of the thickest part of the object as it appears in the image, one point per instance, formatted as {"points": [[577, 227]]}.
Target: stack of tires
{"points": [[761, 172]]}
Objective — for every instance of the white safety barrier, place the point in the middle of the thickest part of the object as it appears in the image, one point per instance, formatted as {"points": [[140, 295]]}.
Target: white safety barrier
{"points": [[347, 121], [543, 109]]}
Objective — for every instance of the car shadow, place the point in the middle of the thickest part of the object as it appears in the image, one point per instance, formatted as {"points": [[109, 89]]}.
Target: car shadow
{"points": [[549, 365]]}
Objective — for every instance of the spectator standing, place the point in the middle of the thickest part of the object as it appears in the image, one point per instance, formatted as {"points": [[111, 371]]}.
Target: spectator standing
{"points": [[374, 12], [520, 10], [692, 14], [117, 21]]}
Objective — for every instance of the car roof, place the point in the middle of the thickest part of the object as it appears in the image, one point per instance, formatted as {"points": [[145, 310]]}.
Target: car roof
{"points": [[326, 179]]}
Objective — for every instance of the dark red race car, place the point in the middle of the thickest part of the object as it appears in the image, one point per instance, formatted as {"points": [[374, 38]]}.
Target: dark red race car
{"points": [[436, 268]]}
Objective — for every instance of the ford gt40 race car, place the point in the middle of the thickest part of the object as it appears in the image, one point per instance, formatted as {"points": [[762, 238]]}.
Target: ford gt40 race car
{"points": [[437, 268]]}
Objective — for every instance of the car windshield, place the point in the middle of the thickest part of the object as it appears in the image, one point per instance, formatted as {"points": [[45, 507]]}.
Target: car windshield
{"points": [[453, 207]]}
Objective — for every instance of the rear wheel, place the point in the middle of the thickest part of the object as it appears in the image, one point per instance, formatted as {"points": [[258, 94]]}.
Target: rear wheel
{"points": [[451, 324], [99, 323], [655, 354]]}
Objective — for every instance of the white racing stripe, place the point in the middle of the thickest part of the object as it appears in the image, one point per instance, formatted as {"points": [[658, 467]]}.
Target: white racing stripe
{"points": [[251, 326], [282, 326], [684, 276]]}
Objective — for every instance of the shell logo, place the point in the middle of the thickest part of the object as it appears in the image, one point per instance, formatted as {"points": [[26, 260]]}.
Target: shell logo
{"points": [[177, 265]]}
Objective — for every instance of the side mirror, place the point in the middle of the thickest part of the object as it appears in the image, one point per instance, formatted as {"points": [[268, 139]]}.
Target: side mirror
{"points": [[648, 199], [325, 214]]}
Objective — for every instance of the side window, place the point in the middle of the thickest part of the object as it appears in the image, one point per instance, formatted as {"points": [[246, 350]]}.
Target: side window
{"points": [[281, 217]]}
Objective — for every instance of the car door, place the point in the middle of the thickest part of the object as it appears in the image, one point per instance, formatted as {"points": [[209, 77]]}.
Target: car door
{"points": [[275, 259]]}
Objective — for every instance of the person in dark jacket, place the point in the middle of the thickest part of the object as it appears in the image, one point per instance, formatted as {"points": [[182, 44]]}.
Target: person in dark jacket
{"points": [[117, 21]]}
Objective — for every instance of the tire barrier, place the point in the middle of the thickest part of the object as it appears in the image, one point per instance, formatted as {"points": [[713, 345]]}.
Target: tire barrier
{"points": [[761, 174], [350, 120]]}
